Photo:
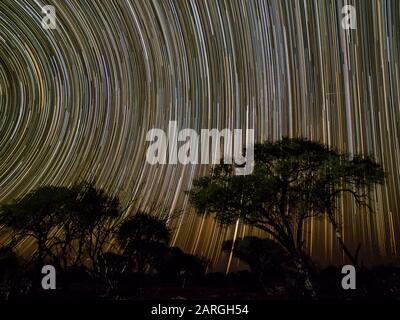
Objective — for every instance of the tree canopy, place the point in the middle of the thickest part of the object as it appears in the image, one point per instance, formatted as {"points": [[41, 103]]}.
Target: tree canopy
{"points": [[293, 180]]}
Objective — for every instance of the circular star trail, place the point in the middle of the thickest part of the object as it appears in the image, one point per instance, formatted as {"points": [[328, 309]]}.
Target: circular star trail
{"points": [[77, 101]]}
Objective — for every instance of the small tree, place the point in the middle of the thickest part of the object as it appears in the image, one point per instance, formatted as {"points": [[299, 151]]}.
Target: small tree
{"points": [[178, 265], [293, 180], [36, 215], [265, 257], [144, 241], [65, 223], [94, 216]]}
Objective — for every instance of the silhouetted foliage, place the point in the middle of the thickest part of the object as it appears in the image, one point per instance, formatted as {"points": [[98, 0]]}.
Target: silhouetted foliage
{"points": [[36, 215], [293, 180], [98, 253], [10, 273], [143, 227], [65, 223], [95, 217], [143, 241], [181, 266], [80, 231], [265, 257]]}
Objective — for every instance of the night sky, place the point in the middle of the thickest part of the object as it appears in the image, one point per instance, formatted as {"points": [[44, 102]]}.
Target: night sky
{"points": [[77, 101]]}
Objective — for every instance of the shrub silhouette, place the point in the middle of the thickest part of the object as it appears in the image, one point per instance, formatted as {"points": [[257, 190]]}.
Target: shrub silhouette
{"points": [[143, 240], [265, 257]]}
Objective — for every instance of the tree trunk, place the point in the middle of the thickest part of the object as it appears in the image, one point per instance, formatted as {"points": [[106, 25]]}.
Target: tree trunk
{"points": [[353, 258], [304, 276]]}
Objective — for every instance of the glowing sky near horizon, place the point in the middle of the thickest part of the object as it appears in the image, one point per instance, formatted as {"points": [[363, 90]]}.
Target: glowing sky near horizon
{"points": [[76, 102]]}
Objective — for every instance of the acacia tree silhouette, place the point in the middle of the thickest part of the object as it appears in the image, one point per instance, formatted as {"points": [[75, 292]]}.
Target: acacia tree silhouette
{"points": [[36, 215], [74, 228], [66, 223], [293, 180]]}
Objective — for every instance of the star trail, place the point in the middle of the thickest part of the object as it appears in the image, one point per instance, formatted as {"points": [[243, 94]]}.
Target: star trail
{"points": [[77, 101]]}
